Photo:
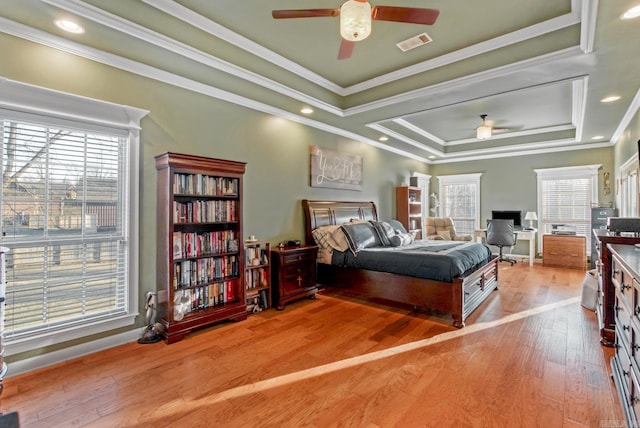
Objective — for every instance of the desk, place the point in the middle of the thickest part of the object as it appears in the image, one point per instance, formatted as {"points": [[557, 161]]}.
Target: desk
{"points": [[521, 235]]}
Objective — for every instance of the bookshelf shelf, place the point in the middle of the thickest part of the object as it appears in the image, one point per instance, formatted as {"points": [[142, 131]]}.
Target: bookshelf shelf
{"points": [[257, 275], [200, 261], [409, 209]]}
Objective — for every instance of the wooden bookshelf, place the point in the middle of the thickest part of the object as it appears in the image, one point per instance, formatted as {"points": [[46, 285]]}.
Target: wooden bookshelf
{"points": [[200, 258], [409, 209], [257, 277]]}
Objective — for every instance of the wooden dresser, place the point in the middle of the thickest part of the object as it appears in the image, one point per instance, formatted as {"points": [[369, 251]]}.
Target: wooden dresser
{"points": [[564, 250], [625, 364], [606, 292], [293, 271]]}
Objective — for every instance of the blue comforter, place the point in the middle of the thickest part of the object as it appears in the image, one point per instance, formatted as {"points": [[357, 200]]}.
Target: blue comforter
{"points": [[437, 260]]}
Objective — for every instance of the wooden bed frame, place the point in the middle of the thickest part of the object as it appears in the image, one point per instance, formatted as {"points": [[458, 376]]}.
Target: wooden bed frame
{"points": [[459, 297]]}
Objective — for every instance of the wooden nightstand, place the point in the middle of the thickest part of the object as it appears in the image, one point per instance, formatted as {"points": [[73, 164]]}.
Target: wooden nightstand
{"points": [[293, 271], [565, 251]]}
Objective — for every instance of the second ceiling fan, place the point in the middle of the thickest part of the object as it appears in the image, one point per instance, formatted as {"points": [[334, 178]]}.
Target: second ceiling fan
{"points": [[356, 17]]}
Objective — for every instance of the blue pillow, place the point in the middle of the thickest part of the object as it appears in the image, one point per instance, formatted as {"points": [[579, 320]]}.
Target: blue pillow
{"points": [[397, 226], [384, 231], [360, 235]]}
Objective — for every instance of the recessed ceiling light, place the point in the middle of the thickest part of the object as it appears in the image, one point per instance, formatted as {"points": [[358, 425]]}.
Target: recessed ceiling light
{"points": [[610, 99], [69, 26], [597, 137], [432, 157], [383, 138], [306, 110], [634, 12]]}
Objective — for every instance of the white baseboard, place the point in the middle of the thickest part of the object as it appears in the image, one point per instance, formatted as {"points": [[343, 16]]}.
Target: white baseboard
{"points": [[55, 357]]}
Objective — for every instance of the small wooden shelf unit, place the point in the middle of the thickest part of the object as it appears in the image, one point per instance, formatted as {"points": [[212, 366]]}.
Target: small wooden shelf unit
{"points": [[257, 275]]}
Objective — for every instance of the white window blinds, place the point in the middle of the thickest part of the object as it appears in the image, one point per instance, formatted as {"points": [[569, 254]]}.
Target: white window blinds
{"points": [[69, 215], [459, 199], [566, 195], [63, 219]]}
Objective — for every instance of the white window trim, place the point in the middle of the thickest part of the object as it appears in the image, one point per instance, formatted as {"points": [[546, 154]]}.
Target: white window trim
{"points": [[22, 100], [584, 171], [444, 180], [626, 170]]}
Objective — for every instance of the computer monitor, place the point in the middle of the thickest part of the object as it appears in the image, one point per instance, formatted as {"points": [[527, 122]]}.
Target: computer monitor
{"points": [[516, 216]]}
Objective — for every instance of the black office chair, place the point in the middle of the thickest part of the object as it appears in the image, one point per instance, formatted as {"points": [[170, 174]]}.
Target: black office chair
{"points": [[500, 233]]}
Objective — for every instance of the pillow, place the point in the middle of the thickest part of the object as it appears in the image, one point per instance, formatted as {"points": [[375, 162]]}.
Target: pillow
{"points": [[397, 226], [444, 234], [384, 231], [360, 235], [401, 239], [340, 239], [326, 240]]}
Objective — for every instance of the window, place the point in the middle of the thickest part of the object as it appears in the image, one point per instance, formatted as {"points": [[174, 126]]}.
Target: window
{"points": [[460, 200], [565, 196], [66, 211], [628, 192]]}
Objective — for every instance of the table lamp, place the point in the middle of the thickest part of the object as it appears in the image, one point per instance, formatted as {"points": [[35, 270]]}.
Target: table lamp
{"points": [[531, 216]]}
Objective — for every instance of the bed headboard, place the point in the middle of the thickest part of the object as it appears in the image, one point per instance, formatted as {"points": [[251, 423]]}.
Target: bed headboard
{"points": [[325, 213]]}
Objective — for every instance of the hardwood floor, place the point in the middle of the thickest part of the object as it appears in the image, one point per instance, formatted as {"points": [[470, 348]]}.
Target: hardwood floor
{"points": [[528, 357]]}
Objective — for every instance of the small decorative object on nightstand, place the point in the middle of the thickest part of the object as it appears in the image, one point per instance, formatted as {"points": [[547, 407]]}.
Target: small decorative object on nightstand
{"points": [[293, 273]]}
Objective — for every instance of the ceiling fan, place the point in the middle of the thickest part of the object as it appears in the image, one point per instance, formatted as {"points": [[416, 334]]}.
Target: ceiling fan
{"points": [[356, 17], [486, 129]]}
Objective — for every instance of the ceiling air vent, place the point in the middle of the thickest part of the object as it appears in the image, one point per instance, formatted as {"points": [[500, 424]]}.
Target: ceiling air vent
{"points": [[414, 42]]}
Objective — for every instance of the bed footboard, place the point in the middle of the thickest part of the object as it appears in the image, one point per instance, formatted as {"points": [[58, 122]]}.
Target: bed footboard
{"points": [[473, 290]]}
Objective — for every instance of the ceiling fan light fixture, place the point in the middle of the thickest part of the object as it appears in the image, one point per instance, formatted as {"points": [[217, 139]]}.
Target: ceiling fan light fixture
{"points": [[483, 131], [355, 20]]}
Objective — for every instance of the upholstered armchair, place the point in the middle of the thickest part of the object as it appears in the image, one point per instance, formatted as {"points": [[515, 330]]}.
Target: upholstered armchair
{"points": [[443, 228]]}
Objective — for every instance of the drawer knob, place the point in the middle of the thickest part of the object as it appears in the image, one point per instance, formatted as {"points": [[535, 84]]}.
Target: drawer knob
{"points": [[624, 287], [637, 311], [626, 328], [617, 308], [616, 272]]}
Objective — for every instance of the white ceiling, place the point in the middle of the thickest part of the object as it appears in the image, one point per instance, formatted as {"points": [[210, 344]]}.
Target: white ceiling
{"points": [[538, 68]]}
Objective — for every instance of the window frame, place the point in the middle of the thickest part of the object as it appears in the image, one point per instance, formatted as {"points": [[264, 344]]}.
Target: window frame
{"points": [[24, 102], [564, 173], [446, 180], [627, 190]]}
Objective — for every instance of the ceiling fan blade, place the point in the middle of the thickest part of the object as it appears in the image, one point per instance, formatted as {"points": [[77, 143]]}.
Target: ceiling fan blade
{"points": [[304, 13], [346, 49], [412, 15]]}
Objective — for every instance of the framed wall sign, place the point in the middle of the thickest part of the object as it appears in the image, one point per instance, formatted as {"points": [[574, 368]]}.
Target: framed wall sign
{"points": [[334, 169]]}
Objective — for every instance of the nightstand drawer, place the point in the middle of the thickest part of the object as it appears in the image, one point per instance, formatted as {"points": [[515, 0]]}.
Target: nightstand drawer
{"points": [[299, 257]]}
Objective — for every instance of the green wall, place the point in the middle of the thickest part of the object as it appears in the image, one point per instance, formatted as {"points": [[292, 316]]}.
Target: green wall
{"points": [[276, 150], [511, 183]]}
